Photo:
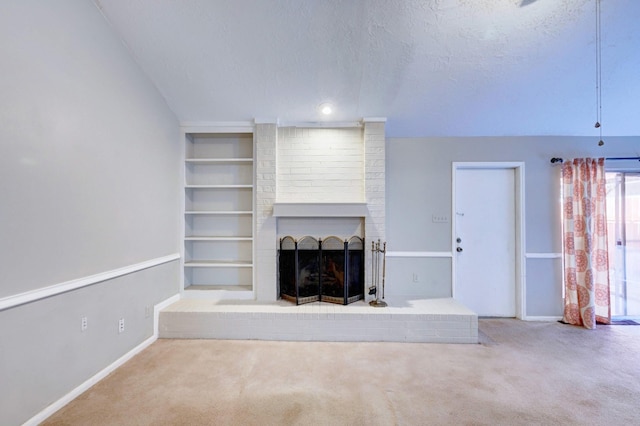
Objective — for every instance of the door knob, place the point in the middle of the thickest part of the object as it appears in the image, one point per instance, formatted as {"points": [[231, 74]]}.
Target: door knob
{"points": [[459, 249]]}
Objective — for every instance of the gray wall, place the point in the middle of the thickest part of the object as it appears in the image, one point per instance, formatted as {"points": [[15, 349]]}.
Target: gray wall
{"points": [[419, 186], [89, 182]]}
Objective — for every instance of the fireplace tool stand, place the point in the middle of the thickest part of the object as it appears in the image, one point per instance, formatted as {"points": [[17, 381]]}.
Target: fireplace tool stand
{"points": [[376, 253]]}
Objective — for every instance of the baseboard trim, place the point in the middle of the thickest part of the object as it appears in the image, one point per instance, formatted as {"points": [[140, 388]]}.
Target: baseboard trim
{"points": [[53, 408], [542, 318], [53, 290]]}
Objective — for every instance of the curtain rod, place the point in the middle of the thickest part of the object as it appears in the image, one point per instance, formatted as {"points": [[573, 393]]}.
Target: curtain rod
{"points": [[560, 160]]}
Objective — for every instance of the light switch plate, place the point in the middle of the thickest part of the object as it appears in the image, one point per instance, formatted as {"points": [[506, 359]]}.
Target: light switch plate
{"points": [[437, 218]]}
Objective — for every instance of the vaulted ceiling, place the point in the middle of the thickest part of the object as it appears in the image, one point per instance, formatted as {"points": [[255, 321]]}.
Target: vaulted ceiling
{"points": [[432, 67]]}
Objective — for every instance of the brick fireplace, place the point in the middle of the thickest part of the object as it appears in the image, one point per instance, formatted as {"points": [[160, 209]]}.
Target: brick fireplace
{"points": [[319, 180]]}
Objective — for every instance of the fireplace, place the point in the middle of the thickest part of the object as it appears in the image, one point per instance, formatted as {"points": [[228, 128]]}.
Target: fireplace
{"points": [[302, 188], [327, 270]]}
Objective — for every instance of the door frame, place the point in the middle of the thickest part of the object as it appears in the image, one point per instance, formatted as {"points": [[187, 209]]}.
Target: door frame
{"points": [[520, 271]]}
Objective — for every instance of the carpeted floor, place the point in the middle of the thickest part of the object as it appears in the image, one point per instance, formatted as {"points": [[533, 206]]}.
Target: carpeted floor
{"points": [[521, 373]]}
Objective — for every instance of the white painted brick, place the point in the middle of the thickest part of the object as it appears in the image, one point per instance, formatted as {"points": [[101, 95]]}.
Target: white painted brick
{"points": [[323, 159], [296, 164]]}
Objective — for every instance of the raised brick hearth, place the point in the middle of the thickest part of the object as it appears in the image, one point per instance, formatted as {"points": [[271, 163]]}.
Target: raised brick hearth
{"points": [[427, 320]]}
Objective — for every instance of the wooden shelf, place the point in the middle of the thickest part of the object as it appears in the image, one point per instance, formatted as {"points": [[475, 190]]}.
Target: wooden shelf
{"points": [[218, 264], [219, 160], [197, 238], [205, 287]]}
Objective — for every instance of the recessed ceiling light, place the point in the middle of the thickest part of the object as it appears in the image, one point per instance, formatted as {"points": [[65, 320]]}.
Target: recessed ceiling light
{"points": [[326, 108]]}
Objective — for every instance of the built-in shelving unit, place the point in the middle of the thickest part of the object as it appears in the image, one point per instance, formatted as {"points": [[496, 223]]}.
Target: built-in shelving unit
{"points": [[218, 215]]}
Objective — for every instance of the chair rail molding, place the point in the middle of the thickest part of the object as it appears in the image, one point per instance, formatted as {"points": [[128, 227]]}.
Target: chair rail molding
{"points": [[55, 289], [435, 254]]}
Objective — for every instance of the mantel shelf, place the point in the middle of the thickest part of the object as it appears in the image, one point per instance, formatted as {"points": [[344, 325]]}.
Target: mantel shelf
{"points": [[320, 209]]}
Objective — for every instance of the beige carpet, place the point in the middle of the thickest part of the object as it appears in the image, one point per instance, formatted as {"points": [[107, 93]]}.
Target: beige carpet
{"points": [[522, 373]]}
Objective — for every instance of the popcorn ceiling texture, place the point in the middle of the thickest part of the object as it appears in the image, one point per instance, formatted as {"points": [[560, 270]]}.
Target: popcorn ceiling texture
{"points": [[432, 67]]}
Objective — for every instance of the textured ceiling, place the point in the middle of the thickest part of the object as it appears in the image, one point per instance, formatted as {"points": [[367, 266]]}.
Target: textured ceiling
{"points": [[432, 67]]}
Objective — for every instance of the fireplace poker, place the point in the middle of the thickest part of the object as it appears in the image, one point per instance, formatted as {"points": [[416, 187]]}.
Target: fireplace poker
{"points": [[373, 289], [377, 273], [384, 263]]}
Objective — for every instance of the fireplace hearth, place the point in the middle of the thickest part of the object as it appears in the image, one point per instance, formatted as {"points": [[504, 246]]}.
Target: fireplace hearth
{"points": [[327, 270]]}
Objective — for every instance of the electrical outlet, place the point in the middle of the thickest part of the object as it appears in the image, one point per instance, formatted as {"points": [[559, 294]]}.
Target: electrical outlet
{"points": [[147, 311], [415, 278], [84, 323], [121, 325]]}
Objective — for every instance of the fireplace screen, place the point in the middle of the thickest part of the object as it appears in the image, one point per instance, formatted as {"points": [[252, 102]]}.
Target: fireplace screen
{"points": [[329, 270]]}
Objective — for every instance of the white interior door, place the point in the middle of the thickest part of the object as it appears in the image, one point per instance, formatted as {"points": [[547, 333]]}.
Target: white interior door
{"points": [[485, 240]]}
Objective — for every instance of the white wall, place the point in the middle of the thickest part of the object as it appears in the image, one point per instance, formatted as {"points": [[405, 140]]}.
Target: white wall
{"points": [[89, 166], [418, 173]]}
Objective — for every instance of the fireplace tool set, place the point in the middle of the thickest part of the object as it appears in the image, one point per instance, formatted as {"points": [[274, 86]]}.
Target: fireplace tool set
{"points": [[376, 254]]}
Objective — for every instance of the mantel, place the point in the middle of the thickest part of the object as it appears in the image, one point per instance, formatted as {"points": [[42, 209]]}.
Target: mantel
{"points": [[319, 209]]}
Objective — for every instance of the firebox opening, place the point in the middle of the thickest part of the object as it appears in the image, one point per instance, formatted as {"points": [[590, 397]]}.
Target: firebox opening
{"points": [[327, 270]]}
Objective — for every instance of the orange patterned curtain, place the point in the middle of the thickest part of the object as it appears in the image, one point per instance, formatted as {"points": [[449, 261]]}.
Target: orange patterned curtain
{"points": [[586, 264]]}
